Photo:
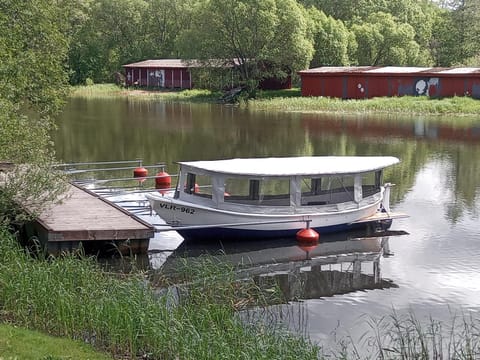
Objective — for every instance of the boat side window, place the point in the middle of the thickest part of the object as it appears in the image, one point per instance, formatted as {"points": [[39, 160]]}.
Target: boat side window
{"points": [[327, 190], [199, 185], [371, 183], [263, 192]]}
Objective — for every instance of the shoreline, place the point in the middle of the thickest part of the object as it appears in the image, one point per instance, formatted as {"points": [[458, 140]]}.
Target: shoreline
{"points": [[463, 110]]}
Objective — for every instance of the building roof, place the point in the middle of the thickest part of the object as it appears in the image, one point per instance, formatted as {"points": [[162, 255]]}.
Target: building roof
{"points": [[163, 63], [391, 70], [180, 63], [291, 166]]}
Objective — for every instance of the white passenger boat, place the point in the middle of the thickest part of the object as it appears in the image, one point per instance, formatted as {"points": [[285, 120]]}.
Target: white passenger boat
{"points": [[276, 197]]}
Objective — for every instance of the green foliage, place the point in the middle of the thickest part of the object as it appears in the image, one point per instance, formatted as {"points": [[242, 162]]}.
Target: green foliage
{"points": [[108, 91], [250, 33], [403, 105], [33, 87], [106, 37], [383, 41], [73, 297], [443, 49], [333, 41], [32, 51], [106, 34], [267, 37], [466, 21], [406, 336]]}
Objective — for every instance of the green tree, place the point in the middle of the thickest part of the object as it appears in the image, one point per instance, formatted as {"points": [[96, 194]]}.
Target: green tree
{"points": [[384, 41], [112, 33], [444, 42], [333, 41], [165, 19], [465, 19], [107, 34], [345, 10], [263, 38], [33, 83], [419, 14]]}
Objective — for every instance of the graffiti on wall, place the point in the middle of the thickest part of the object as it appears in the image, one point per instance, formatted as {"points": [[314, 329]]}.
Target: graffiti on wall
{"points": [[427, 87], [360, 88]]}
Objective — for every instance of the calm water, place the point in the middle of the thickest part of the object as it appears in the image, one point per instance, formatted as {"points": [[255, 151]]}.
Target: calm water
{"points": [[434, 270]]}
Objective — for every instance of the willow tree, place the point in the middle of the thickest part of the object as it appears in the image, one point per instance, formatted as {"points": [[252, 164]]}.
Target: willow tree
{"points": [[264, 38], [334, 43], [33, 82], [110, 34], [383, 40], [463, 31]]}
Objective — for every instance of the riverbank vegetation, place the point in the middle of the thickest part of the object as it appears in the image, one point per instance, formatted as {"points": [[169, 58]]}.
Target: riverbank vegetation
{"points": [[291, 101], [45, 45], [72, 297], [19, 343], [202, 312], [108, 91], [33, 88], [405, 105]]}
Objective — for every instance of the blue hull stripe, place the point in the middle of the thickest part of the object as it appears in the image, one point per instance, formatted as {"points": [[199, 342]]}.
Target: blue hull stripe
{"points": [[232, 233]]}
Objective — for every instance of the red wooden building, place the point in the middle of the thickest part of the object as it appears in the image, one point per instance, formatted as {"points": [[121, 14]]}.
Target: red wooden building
{"points": [[165, 73], [175, 74], [363, 82]]}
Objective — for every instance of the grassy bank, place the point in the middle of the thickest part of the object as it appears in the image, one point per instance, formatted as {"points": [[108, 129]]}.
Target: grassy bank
{"points": [[109, 91], [18, 343], [121, 315], [397, 105], [72, 297], [292, 101]]}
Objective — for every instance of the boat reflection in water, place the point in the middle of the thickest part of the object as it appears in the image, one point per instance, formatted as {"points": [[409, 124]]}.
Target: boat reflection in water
{"points": [[339, 264]]}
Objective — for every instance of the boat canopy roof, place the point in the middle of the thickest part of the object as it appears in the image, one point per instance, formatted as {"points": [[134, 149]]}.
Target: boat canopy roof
{"points": [[291, 166]]}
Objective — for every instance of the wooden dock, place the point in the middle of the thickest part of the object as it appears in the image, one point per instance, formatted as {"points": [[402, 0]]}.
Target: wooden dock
{"points": [[85, 220]]}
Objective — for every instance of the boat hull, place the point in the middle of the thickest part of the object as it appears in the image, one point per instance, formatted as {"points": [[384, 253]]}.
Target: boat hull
{"points": [[198, 222], [236, 233]]}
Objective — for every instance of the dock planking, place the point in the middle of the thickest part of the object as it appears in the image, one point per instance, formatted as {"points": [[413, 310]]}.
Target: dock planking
{"points": [[84, 219]]}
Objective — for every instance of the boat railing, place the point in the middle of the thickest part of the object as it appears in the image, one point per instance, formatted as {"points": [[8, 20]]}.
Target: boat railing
{"points": [[115, 175], [121, 182]]}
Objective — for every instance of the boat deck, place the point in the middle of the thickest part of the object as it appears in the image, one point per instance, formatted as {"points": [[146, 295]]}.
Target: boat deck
{"points": [[381, 216]]}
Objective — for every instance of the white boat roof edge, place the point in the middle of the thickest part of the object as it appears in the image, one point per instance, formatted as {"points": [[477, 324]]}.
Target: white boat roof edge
{"points": [[292, 166]]}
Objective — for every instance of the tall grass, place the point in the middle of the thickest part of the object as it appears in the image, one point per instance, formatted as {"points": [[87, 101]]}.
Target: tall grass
{"points": [[97, 91], [404, 336], [71, 296], [112, 91], [390, 105]]}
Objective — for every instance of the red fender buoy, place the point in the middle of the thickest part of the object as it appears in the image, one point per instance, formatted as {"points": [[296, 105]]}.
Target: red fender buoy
{"points": [[308, 235], [141, 173], [163, 181]]}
